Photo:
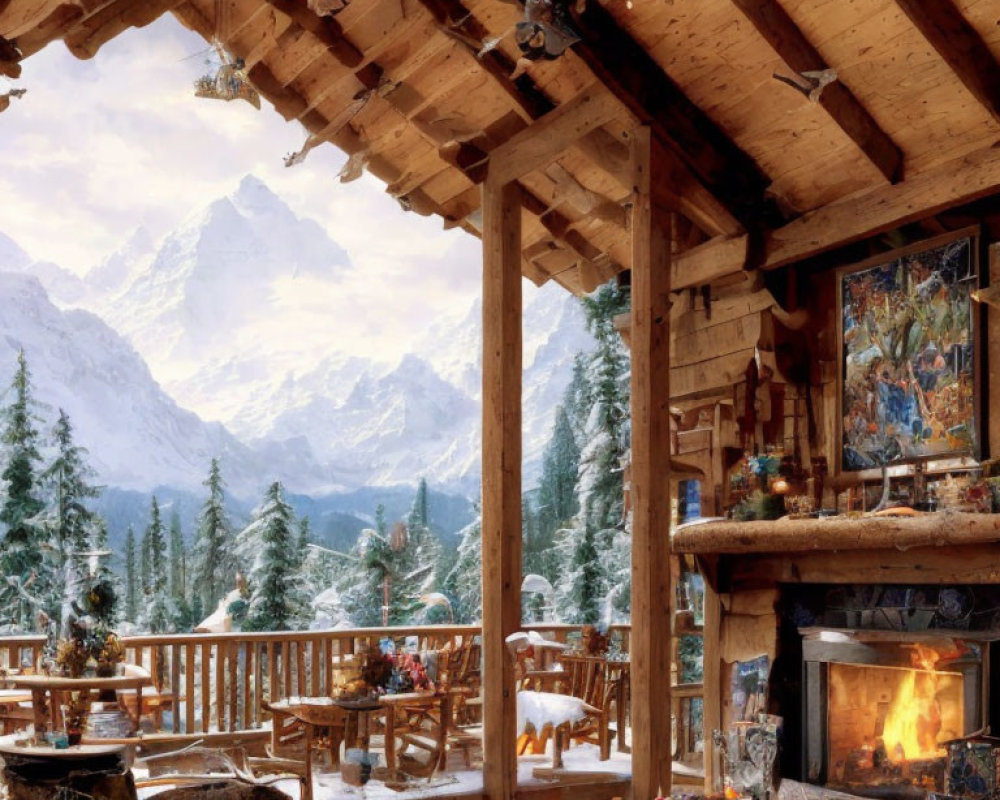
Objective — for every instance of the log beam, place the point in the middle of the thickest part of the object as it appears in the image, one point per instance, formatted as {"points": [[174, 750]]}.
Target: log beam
{"points": [[784, 36], [86, 37], [501, 511], [545, 139], [632, 75], [854, 217], [651, 484], [326, 29], [940, 529], [958, 43]]}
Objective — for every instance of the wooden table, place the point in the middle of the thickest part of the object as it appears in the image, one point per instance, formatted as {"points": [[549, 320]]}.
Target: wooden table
{"points": [[345, 721], [47, 692]]}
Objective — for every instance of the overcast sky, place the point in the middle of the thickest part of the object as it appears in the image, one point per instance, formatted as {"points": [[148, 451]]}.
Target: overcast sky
{"points": [[96, 148]]}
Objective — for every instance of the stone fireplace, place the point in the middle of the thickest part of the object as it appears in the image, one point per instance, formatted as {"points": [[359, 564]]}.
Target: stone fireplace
{"points": [[882, 638]]}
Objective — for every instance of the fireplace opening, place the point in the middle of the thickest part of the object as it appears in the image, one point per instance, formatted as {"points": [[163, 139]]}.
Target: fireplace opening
{"points": [[878, 683], [888, 725]]}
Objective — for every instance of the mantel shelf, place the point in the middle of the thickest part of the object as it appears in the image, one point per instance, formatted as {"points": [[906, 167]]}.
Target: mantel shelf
{"points": [[787, 535]]}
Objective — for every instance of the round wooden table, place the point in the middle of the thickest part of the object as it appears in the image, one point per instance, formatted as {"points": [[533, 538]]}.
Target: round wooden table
{"points": [[47, 692]]}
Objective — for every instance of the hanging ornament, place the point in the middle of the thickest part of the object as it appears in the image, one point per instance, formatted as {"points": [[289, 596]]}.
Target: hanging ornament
{"points": [[6, 98], [228, 82], [546, 30]]}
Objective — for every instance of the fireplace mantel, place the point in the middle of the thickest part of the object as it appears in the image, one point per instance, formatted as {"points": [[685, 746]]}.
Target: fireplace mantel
{"points": [[945, 529]]}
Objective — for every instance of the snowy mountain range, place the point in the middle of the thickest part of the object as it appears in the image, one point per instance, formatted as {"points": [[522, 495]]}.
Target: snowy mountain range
{"points": [[212, 310]]}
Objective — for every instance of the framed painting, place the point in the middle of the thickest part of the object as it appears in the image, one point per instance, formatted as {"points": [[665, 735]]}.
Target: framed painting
{"points": [[909, 378]]}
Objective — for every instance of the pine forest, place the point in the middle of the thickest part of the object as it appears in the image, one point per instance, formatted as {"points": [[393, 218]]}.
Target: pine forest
{"points": [[265, 573]]}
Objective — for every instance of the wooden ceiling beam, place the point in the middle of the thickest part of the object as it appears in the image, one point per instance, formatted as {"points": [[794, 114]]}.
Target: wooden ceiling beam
{"points": [[941, 23], [325, 28], [633, 76], [854, 217], [548, 137], [87, 36], [788, 41], [705, 208]]}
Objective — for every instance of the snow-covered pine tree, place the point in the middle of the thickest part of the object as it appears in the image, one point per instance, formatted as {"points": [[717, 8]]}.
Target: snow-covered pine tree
{"points": [[363, 581], [66, 518], [99, 544], [213, 560], [145, 565], [178, 557], [277, 601], [131, 578], [465, 581], [424, 575], [161, 610], [26, 582], [595, 541], [305, 537]]}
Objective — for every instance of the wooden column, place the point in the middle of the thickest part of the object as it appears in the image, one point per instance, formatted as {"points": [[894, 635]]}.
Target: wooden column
{"points": [[711, 680], [992, 427], [651, 486], [501, 525]]}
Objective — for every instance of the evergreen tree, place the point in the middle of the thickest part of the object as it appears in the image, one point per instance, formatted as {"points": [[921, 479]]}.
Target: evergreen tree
{"points": [[276, 601], [465, 580], [158, 590], [418, 513], [305, 537], [104, 572], [26, 580], [131, 579], [66, 480], [557, 498], [213, 556], [145, 564], [177, 558], [591, 581]]}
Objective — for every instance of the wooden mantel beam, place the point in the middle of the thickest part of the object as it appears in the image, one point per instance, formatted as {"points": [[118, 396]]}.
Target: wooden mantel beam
{"points": [[957, 42], [781, 32], [633, 76]]}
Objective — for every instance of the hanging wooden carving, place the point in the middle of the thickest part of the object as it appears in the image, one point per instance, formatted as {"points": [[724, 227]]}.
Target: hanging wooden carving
{"points": [[6, 98], [228, 82]]}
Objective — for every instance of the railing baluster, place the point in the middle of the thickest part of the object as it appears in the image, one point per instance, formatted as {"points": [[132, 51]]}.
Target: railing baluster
{"points": [[258, 683], [189, 698], [231, 653], [175, 688], [220, 685], [314, 675], [272, 672], [206, 686]]}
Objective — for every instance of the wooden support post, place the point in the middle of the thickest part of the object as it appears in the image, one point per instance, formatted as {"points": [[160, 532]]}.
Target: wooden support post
{"points": [[993, 354], [711, 680], [651, 588], [501, 525], [651, 485]]}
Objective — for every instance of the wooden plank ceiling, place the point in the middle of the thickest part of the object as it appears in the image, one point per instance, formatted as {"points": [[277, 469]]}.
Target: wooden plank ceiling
{"points": [[898, 114]]}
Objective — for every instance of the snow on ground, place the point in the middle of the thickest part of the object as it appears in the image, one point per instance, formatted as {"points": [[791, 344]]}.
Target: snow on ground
{"points": [[580, 758]]}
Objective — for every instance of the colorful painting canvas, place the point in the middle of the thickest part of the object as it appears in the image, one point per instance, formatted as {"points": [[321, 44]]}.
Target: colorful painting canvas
{"points": [[908, 369]]}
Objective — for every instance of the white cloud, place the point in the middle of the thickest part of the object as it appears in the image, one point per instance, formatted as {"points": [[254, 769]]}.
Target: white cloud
{"points": [[97, 147]]}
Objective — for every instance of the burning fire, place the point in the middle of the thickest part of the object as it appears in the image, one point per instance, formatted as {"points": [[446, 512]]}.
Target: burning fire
{"points": [[913, 723]]}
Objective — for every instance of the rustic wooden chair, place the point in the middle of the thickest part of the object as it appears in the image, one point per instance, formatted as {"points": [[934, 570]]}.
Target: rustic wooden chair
{"points": [[586, 678]]}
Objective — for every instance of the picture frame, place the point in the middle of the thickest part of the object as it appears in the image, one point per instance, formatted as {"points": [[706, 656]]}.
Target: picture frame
{"points": [[909, 354]]}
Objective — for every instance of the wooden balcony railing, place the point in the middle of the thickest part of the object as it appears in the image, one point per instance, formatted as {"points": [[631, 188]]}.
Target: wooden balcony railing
{"points": [[220, 682]]}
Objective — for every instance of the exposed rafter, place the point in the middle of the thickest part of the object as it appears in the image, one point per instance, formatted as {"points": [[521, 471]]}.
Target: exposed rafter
{"points": [[781, 32], [958, 43], [709, 211], [634, 77]]}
